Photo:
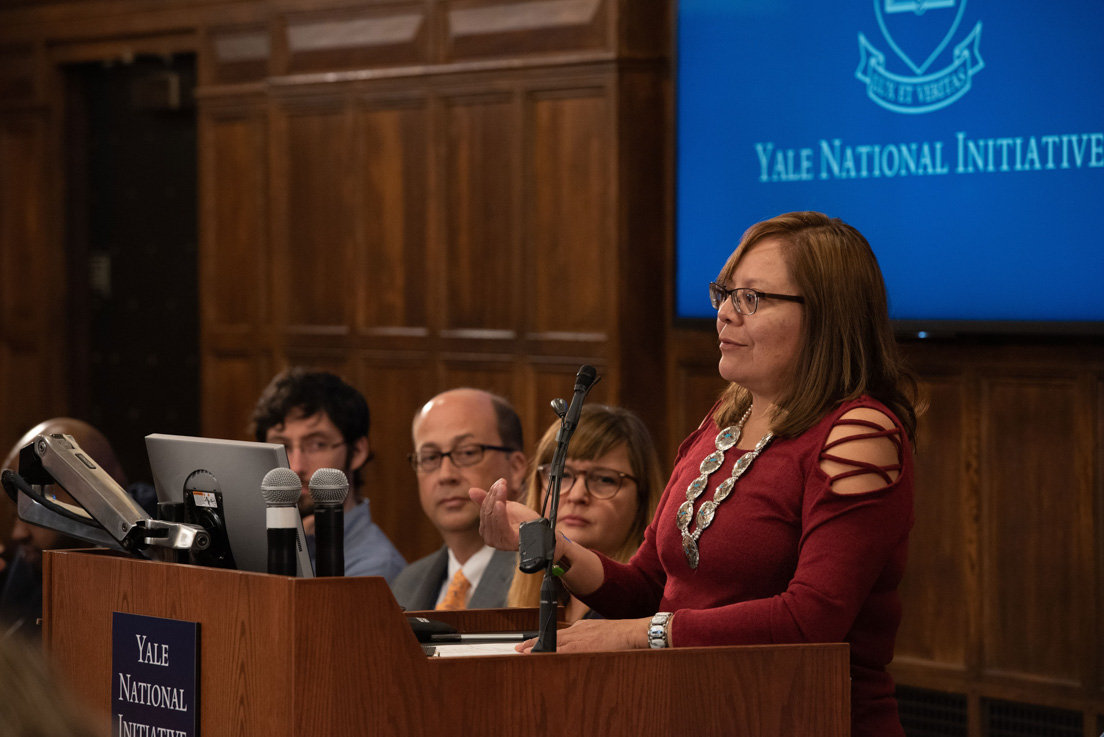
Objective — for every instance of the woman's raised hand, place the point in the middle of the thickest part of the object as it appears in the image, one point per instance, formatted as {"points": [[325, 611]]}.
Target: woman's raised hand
{"points": [[500, 518]]}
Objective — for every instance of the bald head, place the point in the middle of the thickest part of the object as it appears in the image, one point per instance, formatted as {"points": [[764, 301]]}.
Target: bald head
{"points": [[476, 403], [31, 540], [91, 440]]}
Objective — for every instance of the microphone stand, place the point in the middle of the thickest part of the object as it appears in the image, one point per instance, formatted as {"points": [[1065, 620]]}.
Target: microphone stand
{"points": [[538, 545]]}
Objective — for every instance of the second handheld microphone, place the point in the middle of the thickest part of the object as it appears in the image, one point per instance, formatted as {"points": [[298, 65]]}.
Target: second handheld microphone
{"points": [[328, 489]]}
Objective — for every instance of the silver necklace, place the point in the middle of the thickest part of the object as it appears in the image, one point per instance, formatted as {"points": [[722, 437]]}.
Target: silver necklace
{"points": [[726, 438]]}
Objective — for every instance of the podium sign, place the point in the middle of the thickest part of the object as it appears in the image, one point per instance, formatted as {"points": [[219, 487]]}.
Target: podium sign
{"points": [[153, 677]]}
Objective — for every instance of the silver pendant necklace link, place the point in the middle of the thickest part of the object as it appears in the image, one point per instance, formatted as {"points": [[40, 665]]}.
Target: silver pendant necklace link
{"points": [[726, 438]]}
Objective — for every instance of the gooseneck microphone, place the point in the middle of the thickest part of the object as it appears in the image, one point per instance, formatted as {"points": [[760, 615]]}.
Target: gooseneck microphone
{"points": [[280, 488], [537, 542], [537, 546], [328, 489], [584, 380]]}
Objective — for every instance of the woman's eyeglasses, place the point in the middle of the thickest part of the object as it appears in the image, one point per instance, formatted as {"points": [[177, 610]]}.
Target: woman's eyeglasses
{"points": [[602, 483], [744, 299]]}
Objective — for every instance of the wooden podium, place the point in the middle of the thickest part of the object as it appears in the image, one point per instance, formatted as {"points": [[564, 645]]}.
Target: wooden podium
{"points": [[328, 656]]}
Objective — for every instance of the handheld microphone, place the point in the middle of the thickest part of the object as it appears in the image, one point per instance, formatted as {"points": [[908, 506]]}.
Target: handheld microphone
{"points": [[328, 489], [280, 488]]}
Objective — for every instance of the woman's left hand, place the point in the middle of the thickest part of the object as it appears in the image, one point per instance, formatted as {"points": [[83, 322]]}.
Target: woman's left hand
{"points": [[598, 635], [500, 518]]}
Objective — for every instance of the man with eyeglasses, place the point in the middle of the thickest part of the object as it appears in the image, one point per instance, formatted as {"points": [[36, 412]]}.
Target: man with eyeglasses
{"points": [[462, 438], [322, 422]]}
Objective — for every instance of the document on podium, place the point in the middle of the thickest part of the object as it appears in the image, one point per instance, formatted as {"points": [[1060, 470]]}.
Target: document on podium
{"points": [[465, 649], [475, 643]]}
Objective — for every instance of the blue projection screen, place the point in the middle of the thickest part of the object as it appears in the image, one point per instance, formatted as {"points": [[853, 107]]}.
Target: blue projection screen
{"points": [[964, 139]]}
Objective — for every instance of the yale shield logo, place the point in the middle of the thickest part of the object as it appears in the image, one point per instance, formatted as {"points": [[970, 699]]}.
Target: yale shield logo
{"points": [[918, 35]]}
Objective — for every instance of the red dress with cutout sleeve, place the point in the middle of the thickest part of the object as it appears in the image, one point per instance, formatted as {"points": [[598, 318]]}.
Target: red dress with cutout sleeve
{"points": [[785, 560]]}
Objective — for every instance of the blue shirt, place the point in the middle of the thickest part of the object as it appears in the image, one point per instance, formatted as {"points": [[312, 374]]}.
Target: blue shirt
{"points": [[368, 550]]}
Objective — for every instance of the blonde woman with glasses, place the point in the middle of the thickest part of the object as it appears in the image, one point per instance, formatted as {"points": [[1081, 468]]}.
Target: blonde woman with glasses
{"points": [[611, 485]]}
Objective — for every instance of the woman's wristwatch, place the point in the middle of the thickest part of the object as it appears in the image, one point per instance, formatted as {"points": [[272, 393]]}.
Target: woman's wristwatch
{"points": [[658, 630], [562, 564]]}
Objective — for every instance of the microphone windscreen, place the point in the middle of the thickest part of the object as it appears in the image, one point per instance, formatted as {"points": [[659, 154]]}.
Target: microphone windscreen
{"points": [[329, 486], [586, 376], [281, 486]]}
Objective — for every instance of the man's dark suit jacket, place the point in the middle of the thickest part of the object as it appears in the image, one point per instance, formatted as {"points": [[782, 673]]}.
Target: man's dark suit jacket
{"points": [[419, 584]]}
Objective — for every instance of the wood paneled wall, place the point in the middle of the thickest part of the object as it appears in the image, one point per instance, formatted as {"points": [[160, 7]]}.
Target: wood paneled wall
{"points": [[434, 193], [1003, 591], [32, 316], [425, 195]]}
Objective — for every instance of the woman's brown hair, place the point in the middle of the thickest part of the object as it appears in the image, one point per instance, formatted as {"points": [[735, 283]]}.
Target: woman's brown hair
{"points": [[601, 430], [848, 348]]}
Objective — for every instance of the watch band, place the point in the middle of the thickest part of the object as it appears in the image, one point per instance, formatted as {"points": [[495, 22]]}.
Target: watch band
{"points": [[658, 635], [561, 566]]}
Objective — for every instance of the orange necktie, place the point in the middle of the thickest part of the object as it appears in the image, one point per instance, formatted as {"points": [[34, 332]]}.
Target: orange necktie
{"points": [[457, 595]]}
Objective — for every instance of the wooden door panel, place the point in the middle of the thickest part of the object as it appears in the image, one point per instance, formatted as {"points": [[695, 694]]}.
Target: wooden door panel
{"points": [[392, 273], [1032, 507], [477, 278], [569, 228]]}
